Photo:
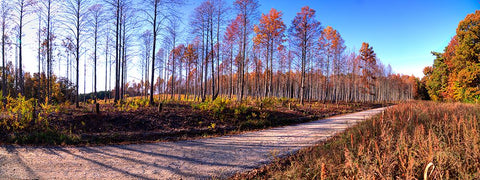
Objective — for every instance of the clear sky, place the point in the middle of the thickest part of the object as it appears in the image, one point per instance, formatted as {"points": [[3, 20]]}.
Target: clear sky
{"points": [[401, 32]]}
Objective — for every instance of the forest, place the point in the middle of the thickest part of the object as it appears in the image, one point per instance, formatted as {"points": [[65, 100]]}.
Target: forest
{"points": [[241, 54], [234, 60]]}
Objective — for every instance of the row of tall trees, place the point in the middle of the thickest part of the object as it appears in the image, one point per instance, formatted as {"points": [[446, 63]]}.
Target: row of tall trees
{"points": [[71, 29], [230, 51], [305, 61], [455, 74]]}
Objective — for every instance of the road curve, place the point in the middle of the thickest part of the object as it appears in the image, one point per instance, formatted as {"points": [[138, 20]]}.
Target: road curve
{"points": [[208, 158]]}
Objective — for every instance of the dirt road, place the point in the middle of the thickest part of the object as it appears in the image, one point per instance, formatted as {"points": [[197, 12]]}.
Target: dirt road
{"points": [[199, 159]]}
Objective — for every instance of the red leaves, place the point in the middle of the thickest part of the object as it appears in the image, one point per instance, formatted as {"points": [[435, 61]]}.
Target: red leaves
{"points": [[233, 30]]}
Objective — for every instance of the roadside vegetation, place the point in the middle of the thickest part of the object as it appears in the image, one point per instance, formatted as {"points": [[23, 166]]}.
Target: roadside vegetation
{"points": [[134, 120], [399, 143]]}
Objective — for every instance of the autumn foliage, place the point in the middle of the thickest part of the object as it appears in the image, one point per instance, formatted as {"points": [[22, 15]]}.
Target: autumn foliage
{"points": [[455, 74], [269, 34]]}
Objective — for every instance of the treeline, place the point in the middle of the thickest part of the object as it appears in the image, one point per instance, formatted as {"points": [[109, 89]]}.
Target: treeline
{"points": [[349, 86], [231, 50], [455, 74]]}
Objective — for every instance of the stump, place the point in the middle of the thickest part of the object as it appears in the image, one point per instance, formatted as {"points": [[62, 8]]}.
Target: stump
{"points": [[97, 108], [160, 107]]}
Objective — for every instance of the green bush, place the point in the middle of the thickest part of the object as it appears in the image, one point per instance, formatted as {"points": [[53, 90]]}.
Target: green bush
{"points": [[130, 104], [19, 113], [242, 109], [268, 103], [220, 104], [45, 110]]}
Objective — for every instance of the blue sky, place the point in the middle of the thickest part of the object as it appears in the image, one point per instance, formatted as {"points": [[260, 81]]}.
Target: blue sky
{"points": [[402, 32]]}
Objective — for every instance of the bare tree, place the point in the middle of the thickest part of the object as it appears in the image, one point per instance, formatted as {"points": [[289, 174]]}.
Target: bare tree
{"points": [[219, 18], [116, 6], [21, 8], [49, 10], [157, 11], [75, 24], [5, 12], [96, 23], [128, 28], [171, 38], [108, 63], [147, 39]]}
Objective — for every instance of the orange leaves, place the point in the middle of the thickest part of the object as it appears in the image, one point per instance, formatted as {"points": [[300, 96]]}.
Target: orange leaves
{"points": [[190, 54], [330, 42], [368, 66], [305, 28], [270, 28], [450, 52], [179, 51], [367, 54]]}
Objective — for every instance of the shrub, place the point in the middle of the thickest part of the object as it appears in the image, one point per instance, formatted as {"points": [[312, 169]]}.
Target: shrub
{"points": [[268, 103], [19, 113], [242, 109], [219, 105], [45, 110]]}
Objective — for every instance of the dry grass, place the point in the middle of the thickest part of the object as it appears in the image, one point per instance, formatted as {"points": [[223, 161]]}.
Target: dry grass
{"points": [[397, 144]]}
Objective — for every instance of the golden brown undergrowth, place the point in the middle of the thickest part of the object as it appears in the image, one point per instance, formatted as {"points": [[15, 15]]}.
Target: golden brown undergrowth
{"points": [[399, 143]]}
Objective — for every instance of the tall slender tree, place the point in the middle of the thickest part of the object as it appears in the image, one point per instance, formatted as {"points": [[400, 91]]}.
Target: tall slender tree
{"points": [[190, 57], [305, 28], [22, 8], [231, 37], [171, 39], [368, 67], [330, 45], [147, 39], [220, 14], [5, 13], [270, 34], [157, 11], [96, 24], [75, 24], [49, 11], [247, 11], [117, 6]]}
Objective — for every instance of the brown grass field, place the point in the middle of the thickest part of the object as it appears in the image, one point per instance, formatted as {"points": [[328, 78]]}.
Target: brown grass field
{"points": [[399, 143]]}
